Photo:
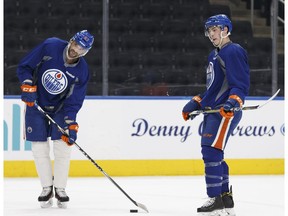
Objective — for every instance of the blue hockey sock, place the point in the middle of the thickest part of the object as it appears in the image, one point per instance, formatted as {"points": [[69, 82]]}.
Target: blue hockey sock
{"points": [[225, 182], [213, 170]]}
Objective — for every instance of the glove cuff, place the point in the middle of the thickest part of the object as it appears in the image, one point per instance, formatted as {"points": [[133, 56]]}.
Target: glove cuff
{"points": [[238, 99], [198, 99], [74, 126], [28, 88]]}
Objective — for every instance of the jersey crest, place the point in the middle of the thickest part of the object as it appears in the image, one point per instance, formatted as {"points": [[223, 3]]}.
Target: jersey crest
{"points": [[209, 75], [54, 81]]}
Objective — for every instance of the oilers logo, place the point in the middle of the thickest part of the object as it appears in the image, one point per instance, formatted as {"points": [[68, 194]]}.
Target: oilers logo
{"points": [[210, 75], [54, 81]]}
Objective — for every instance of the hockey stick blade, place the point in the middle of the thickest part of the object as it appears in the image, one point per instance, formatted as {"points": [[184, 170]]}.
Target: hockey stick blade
{"points": [[88, 157], [105, 174], [140, 205], [270, 99], [252, 107]]}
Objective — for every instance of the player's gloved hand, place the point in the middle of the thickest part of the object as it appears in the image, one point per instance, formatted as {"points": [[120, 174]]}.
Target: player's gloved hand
{"points": [[71, 130], [29, 93], [230, 106], [193, 104]]}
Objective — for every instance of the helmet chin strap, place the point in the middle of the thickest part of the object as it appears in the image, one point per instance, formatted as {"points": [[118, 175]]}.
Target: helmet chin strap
{"points": [[221, 40]]}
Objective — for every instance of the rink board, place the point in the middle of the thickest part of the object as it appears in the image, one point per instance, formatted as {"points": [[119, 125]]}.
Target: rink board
{"points": [[150, 167], [141, 136]]}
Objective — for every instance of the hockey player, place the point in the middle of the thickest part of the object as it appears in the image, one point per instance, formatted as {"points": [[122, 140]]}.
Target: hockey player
{"points": [[227, 83], [55, 75]]}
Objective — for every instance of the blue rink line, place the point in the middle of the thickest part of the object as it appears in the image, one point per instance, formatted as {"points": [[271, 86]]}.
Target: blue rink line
{"points": [[149, 97]]}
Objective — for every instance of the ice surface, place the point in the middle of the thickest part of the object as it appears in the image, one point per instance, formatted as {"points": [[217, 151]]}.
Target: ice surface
{"points": [[164, 195]]}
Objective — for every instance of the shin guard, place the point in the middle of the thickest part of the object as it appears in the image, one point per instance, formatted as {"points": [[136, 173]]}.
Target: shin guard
{"points": [[213, 170], [41, 153], [225, 182], [62, 154]]}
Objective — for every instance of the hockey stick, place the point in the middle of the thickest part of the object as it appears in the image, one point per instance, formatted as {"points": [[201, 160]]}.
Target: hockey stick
{"points": [[253, 107], [101, 170]]}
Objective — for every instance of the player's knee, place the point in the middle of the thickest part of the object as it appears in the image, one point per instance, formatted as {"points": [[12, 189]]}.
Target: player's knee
{"points": [[61, 149], [211, 154]]}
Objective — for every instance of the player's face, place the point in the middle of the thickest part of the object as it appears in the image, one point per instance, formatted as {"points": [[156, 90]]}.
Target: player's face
{"points": [[75, 50], [214, 34]]}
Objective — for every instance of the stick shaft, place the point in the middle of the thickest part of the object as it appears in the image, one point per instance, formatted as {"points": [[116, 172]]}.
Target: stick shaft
{"points": [[87, 156], [253, 107]]}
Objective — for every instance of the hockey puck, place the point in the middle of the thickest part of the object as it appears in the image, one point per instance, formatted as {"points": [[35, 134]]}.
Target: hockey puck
{"points": [[133, 210]]}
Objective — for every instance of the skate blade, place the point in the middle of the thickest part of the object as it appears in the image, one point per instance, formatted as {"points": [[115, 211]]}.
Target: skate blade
{"points": [[61, 204], [221, 212], [47, 204]]}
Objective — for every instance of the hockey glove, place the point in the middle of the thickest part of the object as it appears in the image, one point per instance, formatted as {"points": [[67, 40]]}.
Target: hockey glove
{"points": [[192, 105], [71, 130], [230, 105], [29, 93]]}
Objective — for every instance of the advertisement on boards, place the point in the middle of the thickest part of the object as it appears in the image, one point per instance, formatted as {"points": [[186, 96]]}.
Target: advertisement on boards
{"points": [[130, 128]]}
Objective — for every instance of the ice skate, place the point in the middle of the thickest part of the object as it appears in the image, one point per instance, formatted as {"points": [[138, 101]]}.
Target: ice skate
{"points": [[228, 202], [61, 197], [46, 196], [213, 207]]}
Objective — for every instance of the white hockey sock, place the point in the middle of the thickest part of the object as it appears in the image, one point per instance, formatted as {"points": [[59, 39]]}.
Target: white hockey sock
{"points": [[62, 154], [41, 153]]}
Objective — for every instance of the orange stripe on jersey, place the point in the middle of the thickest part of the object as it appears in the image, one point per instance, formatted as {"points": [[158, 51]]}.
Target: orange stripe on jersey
{"points": [[222, 133]]}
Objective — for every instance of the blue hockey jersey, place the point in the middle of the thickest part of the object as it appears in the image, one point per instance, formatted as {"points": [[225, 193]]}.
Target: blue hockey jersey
{"points": [[59, 85], [227, 74]]}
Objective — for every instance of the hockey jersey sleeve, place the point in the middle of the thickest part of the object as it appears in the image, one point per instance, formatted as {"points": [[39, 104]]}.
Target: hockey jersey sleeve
{"points": [[28, 64], [238, 72]]}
